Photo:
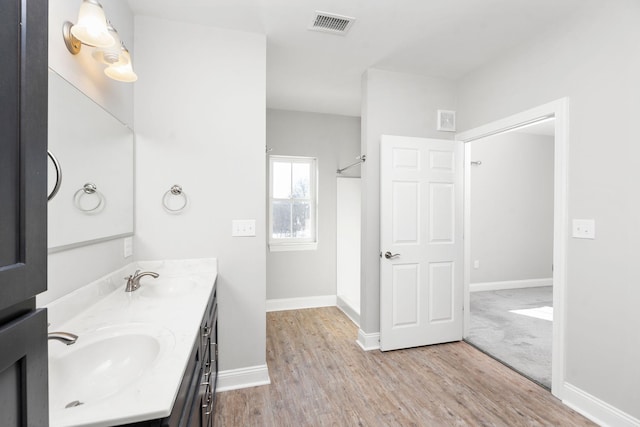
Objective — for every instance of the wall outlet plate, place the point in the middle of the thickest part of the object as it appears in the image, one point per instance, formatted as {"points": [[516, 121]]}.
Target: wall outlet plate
{"points": [[584, 229], [128, 247]]}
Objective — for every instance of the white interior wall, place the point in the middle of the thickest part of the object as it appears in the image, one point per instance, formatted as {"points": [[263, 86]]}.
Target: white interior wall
{"points": [[200, 123], [72, 269], [512, 208], [592, 58], [393, 104], [335, 141], [348, 242]]}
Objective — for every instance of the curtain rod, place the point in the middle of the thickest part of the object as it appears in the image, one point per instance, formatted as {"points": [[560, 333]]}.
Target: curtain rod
{"points": [[361, 158]]}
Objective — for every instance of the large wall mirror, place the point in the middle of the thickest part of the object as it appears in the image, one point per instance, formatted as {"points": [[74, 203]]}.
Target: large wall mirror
{"points": [[94, 151]]}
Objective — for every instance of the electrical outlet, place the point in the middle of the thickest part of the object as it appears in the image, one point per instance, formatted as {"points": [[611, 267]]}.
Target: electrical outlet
{"points": [[584, 229], [476, 264], [243, 228], [128, 247]]}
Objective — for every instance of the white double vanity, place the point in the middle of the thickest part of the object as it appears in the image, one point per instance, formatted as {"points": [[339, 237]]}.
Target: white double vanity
{"points": [[146, 357]]}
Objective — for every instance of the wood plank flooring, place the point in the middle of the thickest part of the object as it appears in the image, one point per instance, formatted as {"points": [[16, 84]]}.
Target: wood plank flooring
{"points": [[321, 377]]}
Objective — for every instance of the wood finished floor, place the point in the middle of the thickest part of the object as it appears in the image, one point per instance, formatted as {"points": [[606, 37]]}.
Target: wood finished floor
{"points": [[321, 377]]}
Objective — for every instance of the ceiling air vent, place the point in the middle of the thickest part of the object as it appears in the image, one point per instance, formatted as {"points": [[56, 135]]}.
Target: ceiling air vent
{"points": [[331, 23]]}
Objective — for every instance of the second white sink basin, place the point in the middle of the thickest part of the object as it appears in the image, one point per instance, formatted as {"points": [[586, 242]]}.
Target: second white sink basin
{"points": [[166, 287], [103, 362]]}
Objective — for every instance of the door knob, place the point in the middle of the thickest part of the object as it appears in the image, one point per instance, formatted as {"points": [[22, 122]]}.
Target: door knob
{"points": [[389, 255]]}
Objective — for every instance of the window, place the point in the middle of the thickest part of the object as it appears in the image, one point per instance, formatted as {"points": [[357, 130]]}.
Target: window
{"points": [[292, 203]]}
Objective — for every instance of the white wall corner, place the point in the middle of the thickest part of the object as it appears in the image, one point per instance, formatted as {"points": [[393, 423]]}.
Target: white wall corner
{"points": [[300, 303], [595, 409], [510, 284], [233, 379], [368, 342], [348, 310]]}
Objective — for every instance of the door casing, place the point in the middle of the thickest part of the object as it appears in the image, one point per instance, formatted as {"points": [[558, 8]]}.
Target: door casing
{"points": [[558, 109]]}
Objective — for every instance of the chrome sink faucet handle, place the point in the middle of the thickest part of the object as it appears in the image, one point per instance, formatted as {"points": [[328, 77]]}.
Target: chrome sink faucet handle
{"points": [[133, 281], [129, 280]]}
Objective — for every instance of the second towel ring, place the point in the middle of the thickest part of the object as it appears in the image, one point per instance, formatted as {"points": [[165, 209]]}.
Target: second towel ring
{"points": [[174, 191], [88, 189]]}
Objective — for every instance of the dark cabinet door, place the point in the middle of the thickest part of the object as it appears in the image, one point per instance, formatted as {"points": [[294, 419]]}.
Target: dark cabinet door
{"points": [[23, 371], [23, 213], [23, 153]]}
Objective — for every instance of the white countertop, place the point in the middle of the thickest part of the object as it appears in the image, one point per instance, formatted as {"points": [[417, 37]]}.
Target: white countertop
{"points": [[102, 306]]}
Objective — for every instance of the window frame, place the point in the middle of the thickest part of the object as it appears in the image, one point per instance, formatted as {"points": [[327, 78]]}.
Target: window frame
{"points": [[295, 243]]}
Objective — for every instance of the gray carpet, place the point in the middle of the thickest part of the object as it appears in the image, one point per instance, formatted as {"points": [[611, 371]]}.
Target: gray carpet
{"points": [[522, 342]]}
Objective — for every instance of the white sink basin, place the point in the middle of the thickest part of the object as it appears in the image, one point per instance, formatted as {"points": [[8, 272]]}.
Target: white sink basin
{"points": [[103, 362], [167, 287]]}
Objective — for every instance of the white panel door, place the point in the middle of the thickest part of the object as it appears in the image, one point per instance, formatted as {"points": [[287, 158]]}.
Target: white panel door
{"points": [[421, 264]]}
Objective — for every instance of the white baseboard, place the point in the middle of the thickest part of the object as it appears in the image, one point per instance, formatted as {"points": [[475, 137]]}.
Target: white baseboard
{"points": [[233, 379], [349, 310], [595, 409], [368, 342], [300, 303], [509, 284]]}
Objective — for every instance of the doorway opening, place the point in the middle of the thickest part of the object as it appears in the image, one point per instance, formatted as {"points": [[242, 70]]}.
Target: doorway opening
{"points": [[556, 113], [348, 189], [511, 237]]}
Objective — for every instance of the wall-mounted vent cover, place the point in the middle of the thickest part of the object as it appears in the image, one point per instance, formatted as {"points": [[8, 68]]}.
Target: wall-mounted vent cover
{"points": [[331, 23]]}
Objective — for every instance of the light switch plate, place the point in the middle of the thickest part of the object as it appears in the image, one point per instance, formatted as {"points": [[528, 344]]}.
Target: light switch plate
{"points": [[243, 228], [584, 229]]}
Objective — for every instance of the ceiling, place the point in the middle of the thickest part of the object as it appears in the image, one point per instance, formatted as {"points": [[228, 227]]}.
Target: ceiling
{"points": [[319, 72]]}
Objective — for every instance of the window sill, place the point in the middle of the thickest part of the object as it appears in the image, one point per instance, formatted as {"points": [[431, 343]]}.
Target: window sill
{"points": [[283, 247]]}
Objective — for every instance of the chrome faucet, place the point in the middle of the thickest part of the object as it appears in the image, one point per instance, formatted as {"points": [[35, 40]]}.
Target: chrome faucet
{"points": [[133, 281], [64, 337]]}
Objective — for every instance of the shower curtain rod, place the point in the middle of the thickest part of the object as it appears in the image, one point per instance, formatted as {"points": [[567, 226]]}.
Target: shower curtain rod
{"points": [[362, 158]]}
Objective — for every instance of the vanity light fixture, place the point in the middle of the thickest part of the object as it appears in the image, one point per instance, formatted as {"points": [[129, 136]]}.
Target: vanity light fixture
{"points": [[91, 28], [121, 70], [109, 54], [94, 30]]}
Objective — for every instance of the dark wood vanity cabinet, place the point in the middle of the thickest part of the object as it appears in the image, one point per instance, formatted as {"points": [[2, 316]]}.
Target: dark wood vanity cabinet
{"points": [[196, 396], [23, 213], [201, 413], [199, 381]]}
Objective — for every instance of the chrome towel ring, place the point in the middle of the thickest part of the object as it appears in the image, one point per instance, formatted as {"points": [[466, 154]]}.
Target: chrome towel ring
{"points": [[56, 165], [174, 192], [89, 190]]}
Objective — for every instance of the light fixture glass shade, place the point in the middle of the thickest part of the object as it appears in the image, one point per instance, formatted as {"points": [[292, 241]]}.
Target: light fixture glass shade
{"points": [[122, 70], [91, 28], [112, 54]]}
